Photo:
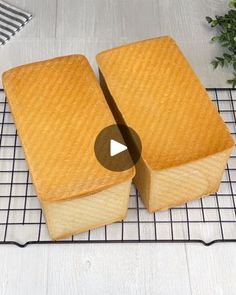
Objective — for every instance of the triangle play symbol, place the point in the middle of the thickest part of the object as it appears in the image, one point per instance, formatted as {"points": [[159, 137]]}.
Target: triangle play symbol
{"points": [[116, 147]]}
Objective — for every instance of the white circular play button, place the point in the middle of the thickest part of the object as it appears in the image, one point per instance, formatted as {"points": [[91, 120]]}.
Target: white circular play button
{"points": [[117, 147]]}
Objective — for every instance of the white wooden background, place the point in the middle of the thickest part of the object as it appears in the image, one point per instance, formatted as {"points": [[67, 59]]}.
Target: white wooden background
{"points": [[89, 26], [62, 27]]}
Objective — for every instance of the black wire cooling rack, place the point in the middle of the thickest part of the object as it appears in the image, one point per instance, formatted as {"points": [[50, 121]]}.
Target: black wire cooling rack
{"points": [[208, 220]]}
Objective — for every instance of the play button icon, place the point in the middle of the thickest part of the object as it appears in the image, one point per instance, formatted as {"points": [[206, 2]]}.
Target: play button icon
{"points": [[117, 147]]}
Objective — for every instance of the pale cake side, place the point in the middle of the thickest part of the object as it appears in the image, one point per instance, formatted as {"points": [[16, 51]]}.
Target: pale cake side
{"points": [[80, 215], [59, 109], [157, 93], [174, 186]]}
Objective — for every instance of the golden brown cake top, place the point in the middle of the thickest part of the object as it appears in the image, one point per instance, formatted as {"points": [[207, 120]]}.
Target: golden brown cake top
{"points": [[59, 109], [160, 97]]}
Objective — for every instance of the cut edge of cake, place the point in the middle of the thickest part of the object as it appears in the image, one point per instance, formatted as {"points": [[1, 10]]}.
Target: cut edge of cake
{"points": [[167, 188], [71, 217]]}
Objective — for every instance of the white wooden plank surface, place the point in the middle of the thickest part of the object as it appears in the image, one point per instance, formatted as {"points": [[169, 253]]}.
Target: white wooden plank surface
{"points": [[212, 270], [89, 26], [118, 269], [89, 269]]}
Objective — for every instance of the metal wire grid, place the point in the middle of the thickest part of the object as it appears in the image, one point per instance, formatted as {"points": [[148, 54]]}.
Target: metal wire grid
{"points": [[208, 220]]}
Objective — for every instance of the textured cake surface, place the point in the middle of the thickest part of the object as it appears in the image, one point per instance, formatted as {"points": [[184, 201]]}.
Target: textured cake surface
{"points": [[82, 214], [59, 109], [159, 96], [185, 143]]}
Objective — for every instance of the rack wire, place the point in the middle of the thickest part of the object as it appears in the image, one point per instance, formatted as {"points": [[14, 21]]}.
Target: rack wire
{"points": [[208, 220]]}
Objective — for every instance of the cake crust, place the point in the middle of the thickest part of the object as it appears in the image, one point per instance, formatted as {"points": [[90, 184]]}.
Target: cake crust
{"points": [[159, 95], [59, 109]]}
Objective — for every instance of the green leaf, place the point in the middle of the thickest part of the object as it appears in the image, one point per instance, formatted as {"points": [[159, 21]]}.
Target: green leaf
{"points": [[215, 38], [214, 23], [225, 26], [232, 4], [215, 64], [224, 44], [209, 19], [220, 61], [232, 82], [227, 57]]}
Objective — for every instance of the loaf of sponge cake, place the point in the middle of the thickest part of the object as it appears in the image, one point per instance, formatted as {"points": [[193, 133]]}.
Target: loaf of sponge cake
{"points": [[151, 87], [59, 109]]}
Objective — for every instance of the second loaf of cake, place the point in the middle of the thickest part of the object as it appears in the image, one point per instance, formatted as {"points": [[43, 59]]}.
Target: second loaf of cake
{"points": [[151, 87]]}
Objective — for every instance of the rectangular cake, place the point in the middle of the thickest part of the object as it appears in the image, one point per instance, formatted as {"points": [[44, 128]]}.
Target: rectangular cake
{"points": [[151, 87], [59, 109]]}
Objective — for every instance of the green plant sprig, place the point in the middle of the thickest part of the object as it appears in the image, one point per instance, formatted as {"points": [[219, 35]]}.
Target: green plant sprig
{"points": [[226, 25]]}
